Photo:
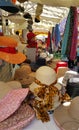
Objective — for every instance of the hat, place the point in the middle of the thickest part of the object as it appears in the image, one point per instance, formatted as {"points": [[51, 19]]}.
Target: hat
{"points": [[9, 6], [23, 116], [8, 51], [44, 74], [68, 74], [10, 99], [66, 115], [24, 75], [14, 84], [72, 87]]}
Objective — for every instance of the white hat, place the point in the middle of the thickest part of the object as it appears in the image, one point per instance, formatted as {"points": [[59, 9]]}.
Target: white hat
{"points": [[46, 75]]}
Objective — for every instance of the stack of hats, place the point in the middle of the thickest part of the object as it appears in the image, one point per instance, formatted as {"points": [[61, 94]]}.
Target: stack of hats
{"points": [[14, 112], [68, 74], [48, 93], [24, 75]]}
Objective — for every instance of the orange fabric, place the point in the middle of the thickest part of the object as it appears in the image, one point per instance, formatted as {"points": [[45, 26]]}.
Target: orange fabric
{"points": [[13, 58], [8, 41]]}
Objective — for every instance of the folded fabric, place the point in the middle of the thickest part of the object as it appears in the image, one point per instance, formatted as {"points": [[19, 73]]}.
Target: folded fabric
{"points": [[21, 118], [11, 102]]}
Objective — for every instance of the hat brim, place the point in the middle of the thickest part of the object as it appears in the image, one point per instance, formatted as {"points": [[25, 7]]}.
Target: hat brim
{"points": [[13, 58], [19, 119], [60, 81], [26, 81], [33, 86], [63, 118]]}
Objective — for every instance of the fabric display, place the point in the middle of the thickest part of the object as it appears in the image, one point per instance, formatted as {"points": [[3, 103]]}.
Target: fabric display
{"points": [[14, 112], [69, 41]]}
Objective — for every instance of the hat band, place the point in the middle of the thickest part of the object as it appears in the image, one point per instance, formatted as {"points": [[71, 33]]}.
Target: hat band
{"points": [[8, 49], [39, 83]]}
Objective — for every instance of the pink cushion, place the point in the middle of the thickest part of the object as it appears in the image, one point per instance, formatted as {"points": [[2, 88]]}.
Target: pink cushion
{"points": [[11, 102]]}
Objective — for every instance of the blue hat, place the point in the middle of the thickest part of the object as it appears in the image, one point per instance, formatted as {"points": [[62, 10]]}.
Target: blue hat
{"points": [[8, 6]]}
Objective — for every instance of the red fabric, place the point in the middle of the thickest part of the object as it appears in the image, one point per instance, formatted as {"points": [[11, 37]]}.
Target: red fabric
{"points": [[30, 35], [48, 41], [74, 36], [31, 40], [8, 49]]}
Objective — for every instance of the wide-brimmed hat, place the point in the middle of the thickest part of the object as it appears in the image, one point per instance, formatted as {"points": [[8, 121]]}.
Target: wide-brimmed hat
{"points": [[24, 75], [44, 75], [11, 96], [19, 119], [68, 74], [6, 87], [8, 50], [66, 115]]}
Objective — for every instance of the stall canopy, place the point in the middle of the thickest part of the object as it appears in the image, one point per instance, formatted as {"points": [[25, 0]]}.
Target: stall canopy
{"points": [[53, 12]]}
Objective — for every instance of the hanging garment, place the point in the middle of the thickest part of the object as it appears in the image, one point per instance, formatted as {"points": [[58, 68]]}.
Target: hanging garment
{"points": [[74, 37], [65, 38]]}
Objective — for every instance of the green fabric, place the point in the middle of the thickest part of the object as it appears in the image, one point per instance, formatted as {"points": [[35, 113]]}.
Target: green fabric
{"points": [[65, 38]]}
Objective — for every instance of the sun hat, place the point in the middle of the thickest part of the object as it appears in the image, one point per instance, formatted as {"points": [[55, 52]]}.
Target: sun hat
{"points": [[68, 74], [44, 74], [10, 99], [46, 94], [8, 50], [23, 116], [14, 84], [24, 75], [66, 115]]}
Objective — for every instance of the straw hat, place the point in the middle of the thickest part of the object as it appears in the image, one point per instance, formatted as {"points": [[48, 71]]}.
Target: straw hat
{"points": [[46, 75], [67, 115], [10, 98], [45, 92], [23, 116], [8, 52], [24, 75], [14, 84], [6, 87]]}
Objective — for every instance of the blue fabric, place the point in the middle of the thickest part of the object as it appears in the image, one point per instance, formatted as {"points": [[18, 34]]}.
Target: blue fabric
{"points": [[57, 35], [65, 38]]}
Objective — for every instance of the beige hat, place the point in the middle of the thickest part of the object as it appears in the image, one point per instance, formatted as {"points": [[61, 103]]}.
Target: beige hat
{"points": [[67, 115], [14, 84], [6, 87], [24, 75], [45, 75]]}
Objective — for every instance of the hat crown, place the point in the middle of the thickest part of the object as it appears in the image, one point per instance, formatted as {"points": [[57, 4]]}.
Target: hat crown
{"points": [[74, 108], [46, 75]]}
